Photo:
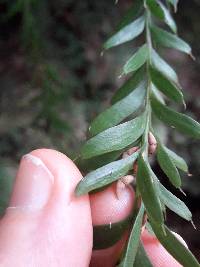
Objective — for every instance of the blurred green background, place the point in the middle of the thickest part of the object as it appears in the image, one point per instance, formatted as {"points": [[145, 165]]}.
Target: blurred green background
{"points": [[54, 81]]}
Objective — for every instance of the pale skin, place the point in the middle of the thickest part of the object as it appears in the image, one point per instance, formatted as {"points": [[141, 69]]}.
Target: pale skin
{"points": [[46, 225]]}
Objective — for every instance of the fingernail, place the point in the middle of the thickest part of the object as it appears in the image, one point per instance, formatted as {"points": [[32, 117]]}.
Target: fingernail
{"points": [[33, 184]]}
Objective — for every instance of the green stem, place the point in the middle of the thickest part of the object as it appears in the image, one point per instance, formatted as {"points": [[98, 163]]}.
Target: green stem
{"points": [[148, 106]]}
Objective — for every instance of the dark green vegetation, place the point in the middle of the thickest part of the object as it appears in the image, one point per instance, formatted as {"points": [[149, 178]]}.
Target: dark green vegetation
{"points": [[105, 138]]}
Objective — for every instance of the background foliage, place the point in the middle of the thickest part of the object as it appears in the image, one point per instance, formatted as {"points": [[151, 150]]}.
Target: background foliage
{"points": [[53, 81]]}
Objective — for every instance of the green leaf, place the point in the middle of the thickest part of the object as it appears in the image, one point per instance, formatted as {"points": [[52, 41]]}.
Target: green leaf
{"points": [[97, 162], [168, 166], [105, 175], [157, 93], [127, 33], [174, 246], [170, 40], [179, 121], [120, 110], [174, 3], [157, 189], [147, 189], [178, 161], [115, 138], [160, 11], [166, 86], [168, 18], [174, 203], [134, 240], [105, 236], [133, 12], [142, 259], [130, 85], [155, 9], [161, 65], [137, 60]]}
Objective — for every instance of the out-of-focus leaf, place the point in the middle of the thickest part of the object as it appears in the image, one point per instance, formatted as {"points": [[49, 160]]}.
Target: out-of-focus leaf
{"points": [[159, 10], [105, 236], [6, 183], [127, 33], [120, 110], [168, 166], [161, 65], [182, 254], [142, 259], [166, 86], [137, 60], [115, 138], [178, 161], [105, 175], [174, 203], [179, 121], [148, 191], [129, 85], [168, 18], [156, 9], [134, 241], [170, 40], [174, 3]]}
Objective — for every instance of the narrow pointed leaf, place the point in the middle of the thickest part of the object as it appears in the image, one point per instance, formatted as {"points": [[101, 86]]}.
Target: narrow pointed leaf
{"points": [[132, 14], [160, 11], [174, 3], [142, 259], [105, 236], [147, 189], [105, 175], [157, 94], [179, 121], [168, 166], [137, 60], [166, 86], [161, 65], [134, 240], [178, 161], [182, 254], [168, 18], [127, 33], [130, 85], [170, 40], [120, 110], [114, 138], [155, 9], [157, 188], [96, 162], [174, 203]]}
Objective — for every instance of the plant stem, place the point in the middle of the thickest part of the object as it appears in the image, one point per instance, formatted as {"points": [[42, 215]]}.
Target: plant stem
{"points": [[148, 106]]}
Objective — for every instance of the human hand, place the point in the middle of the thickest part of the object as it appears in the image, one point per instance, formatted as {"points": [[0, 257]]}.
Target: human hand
{"points": [[46, 225]]}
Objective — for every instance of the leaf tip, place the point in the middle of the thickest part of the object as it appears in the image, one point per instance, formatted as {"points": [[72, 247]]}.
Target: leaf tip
{"points": [[192, 56], [194, 226], [181, 190], [102, 53]]}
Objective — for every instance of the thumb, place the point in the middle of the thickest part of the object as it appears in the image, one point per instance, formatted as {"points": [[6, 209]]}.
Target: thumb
{"points": [[45, 225]]}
